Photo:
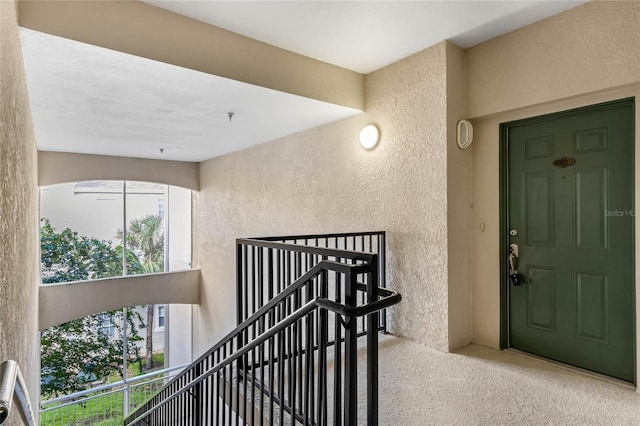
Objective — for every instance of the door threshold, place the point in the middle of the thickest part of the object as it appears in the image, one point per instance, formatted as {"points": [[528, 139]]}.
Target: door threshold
{"points": [[588, 373]]}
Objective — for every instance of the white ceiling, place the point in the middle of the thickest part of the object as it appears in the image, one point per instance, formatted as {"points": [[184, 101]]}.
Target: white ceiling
{"points": [[364, 36], [88, 99], [91, 100]]}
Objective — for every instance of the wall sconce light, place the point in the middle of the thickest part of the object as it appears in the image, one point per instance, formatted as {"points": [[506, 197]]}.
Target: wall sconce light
{"points": [[369, 136], [464, 134]]}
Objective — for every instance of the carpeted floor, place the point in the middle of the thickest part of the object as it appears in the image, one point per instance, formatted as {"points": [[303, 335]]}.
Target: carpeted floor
{"points": [[482, 386]]}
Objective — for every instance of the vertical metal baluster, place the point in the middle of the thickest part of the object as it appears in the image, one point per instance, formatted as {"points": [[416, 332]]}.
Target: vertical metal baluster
{"points": [[245, 380], [359, 321], [254, 281], [260, 285], [291, 341], [271, 387], [312, 349], [211, 395], [252, 407], [299, 332], [261, 321], [372, 347], [271, 322], [186, 398], [197, 401], [298, 349], [281, 362], [225, 401], [240, 294], [219, 396], [337, 376], [262, 365], [308, 365], [235, 384], [350, 368], [382, 278], [322, 353], [254, 331]]}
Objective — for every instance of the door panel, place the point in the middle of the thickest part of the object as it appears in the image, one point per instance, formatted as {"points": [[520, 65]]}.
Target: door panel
{"points": [[575, 233], [538, 209], [541, 298], [592, 301], [590, 206]]}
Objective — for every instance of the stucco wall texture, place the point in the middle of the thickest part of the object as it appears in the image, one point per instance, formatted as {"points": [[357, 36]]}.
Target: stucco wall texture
{"points": [[582, 50], [323, 181], [19, 266]]}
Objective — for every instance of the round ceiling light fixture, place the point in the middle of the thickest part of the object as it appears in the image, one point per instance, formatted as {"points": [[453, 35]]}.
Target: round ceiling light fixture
{"points": [[369, 136]]}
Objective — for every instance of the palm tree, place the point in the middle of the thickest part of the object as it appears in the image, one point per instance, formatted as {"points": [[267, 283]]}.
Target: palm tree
{"points": [[145, 237]]}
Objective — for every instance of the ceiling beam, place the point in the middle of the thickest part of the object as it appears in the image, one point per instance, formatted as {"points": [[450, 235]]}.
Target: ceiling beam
{"points": [[143, 30]]}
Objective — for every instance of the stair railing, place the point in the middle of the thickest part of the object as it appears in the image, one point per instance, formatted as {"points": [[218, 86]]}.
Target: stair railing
{"points": [[263, 269], [294, 359], [13, 386]]}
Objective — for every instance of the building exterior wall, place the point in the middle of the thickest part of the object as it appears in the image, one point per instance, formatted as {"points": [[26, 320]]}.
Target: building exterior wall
{"points": [[19, 266], [323, 181], [581, 57]]}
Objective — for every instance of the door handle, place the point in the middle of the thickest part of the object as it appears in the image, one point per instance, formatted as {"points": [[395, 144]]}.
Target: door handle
{"points": [[514, 276]]}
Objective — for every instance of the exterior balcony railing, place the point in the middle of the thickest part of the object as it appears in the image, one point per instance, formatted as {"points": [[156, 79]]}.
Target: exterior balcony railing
{"points": [[106, 404]]}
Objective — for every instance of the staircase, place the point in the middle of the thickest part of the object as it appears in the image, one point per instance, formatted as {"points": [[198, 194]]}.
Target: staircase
{"points": [[302, 302]]}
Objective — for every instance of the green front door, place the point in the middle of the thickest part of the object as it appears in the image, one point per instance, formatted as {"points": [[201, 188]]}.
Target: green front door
{"points": [[571, 215]]}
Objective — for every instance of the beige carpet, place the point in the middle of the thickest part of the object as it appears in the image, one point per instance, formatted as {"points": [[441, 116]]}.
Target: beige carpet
{"points": [[482, 386]]}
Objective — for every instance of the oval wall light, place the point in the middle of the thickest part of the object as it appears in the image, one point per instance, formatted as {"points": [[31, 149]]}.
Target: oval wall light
{"points": [[369, 136], [465, 134]]}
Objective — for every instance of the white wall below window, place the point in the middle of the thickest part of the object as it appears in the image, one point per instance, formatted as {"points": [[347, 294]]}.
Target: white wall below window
{"points": [[60, 303]]}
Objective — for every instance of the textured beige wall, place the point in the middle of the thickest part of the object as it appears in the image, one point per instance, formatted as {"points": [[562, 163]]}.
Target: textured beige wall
{"points": [[581, 56], [19, 266], [61, 167], [321, 181], [458, 205], [585, 49]]}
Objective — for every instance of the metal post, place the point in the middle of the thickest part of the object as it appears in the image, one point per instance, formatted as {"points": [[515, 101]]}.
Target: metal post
{"points": [[240, 300], [351, 355], [372, 346]]}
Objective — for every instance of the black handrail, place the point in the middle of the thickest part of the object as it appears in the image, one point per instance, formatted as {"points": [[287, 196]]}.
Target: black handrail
{"points": [[261, 260], [301, 248], [325, 265], [390, 299], [270, 356]]}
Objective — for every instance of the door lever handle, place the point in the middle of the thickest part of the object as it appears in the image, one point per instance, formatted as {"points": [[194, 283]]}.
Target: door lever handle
{"points": [[513, 272]]}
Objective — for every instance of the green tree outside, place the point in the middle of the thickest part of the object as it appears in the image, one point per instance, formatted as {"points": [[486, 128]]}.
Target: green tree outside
{"points": [[76, 353], [145, 236]]}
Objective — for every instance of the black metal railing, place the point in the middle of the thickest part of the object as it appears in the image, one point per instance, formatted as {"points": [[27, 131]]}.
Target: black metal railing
{"points": [[294, 359], [264, 270]]}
